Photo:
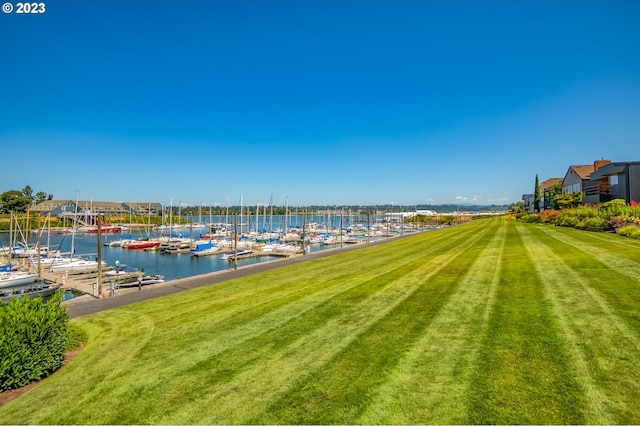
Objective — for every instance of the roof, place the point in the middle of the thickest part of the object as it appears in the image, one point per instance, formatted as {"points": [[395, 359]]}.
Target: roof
{"points": [[49, 205], [613, 169], [584, 171], [550, 182]]}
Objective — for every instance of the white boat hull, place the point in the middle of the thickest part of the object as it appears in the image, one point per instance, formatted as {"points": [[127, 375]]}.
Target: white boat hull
{"points": [[15, 279], [78, 266], [206, 252]]}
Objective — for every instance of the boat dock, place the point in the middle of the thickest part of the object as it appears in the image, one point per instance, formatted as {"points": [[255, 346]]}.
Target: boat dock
{"points": [[125, 282]]}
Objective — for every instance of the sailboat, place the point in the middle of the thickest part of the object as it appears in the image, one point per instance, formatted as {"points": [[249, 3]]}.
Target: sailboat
{"points": [[10, 278], [205, 249], [79, 264]]}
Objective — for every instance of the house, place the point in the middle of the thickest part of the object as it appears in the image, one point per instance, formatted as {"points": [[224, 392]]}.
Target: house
{"points": [[618, 180], [143, 209], [577, 179], [545, 189], [90, 209], [528, 201], [54, 207]]}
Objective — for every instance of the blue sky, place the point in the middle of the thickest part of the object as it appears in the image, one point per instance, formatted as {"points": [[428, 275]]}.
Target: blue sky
{"points": [[323, 102]]}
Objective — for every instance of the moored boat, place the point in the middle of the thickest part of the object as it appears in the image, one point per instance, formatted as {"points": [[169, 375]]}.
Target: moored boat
{"points": [[77, 265], [241, 253], [137, 245], [205, 248], [108, 229], [23, 251], [16, 278], [145, 280], [45, 290]]}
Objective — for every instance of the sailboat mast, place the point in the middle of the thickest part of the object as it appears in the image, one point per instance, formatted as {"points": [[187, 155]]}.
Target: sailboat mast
{"points": [[286, 214], [75, 224], [271, 215], [241, 201]]}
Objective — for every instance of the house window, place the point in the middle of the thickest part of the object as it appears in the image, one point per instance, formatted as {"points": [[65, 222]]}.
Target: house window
{"points": [[613, 180]]}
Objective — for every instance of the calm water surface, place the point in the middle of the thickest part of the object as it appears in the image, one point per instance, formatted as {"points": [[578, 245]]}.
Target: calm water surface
{"points": [[171, 266]]}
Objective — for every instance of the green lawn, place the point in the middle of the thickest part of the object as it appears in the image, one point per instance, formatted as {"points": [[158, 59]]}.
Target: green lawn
{"points": [[489, 322]]}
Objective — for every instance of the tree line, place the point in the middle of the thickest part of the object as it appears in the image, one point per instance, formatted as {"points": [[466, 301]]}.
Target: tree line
{"points": [[19, 201]]}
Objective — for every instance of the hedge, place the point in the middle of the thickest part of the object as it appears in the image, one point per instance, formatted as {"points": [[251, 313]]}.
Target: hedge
{"points": [[33, 336], [631, 231]]}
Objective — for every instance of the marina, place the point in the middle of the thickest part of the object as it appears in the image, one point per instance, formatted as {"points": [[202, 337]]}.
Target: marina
{"points": [[145, 257]]}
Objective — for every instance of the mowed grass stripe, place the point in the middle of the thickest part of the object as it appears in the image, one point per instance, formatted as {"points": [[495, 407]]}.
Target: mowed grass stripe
{"points": [[618, 293], [155, 378], [80, 398], [430, 383], [291, 360], [624, 260], [328, 340], [521, 375], [624, 244], [604, 349], [340, 391], [270, 311], [228, 297]]}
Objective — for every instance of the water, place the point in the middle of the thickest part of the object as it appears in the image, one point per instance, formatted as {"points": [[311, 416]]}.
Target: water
{"points": [[173, 266]]}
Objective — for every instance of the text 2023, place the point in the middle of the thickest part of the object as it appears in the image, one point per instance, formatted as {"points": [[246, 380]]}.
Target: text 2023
{"points": [[30, 7]]}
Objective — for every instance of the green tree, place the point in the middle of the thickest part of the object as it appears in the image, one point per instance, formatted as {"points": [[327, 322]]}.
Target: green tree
{"points": [[14, 201], [28, 193], [536, 196], [553, 192], [19, 201], [517, 208], [568, 200], [41, 196]]}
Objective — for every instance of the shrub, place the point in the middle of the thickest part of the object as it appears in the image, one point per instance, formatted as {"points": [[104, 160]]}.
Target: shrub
{"points": [[615, 207], [567, 218], [548, 216], [631, 231], [529, 218], [614, 223], [595, 223], [33, 336], [583, 213]]}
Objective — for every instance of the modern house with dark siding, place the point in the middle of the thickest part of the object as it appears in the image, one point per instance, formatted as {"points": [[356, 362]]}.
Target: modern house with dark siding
{"points": [[621, 180], [599, 182], [528, 202], [578, 179]]}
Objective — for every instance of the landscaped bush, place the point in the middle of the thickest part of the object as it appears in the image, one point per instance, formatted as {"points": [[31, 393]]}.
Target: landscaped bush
{"points": [[594, 223], [583, 213], [610, 216], [615, 207], [614, 223], [566, 218], [631, 231], [33, 335], [529, 218], [548, 216]]}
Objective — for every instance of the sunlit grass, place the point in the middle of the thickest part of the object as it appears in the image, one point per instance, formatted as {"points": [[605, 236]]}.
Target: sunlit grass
{"points": [[489, 322]]}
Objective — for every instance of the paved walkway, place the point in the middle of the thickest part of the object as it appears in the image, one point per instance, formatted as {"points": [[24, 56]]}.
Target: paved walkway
{"points": [[86, 305]]}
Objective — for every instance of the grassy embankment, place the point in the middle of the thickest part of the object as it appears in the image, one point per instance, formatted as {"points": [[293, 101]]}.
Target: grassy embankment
{"points": [[490, 322]]}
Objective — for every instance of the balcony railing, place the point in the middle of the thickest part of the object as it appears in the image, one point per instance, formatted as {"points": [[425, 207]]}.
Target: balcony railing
{"points": [[598, 189]]}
